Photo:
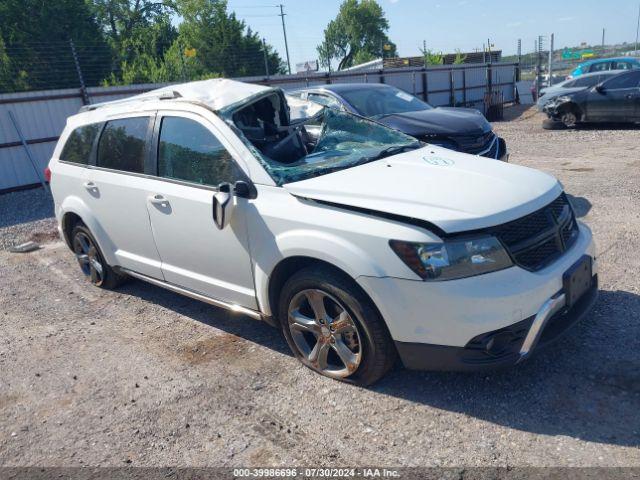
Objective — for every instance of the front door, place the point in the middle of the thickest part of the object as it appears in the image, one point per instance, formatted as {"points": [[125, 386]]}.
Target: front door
{"points": [[195, 254], [618, 101]]}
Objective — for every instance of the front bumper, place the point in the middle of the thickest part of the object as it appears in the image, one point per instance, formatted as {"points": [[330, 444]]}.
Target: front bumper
{"points": [[437, 324], [518, 341]]}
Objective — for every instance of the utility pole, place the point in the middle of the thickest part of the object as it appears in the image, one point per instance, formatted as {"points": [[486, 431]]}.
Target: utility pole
{"points": [[538, 66], [519, 60], [603, 39], [550, 59], [424, 52], [638, 28], [266, 59], [284, 31]]}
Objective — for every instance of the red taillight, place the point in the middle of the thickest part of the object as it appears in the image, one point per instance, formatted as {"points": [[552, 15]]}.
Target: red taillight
{"points": [[47, 175]]}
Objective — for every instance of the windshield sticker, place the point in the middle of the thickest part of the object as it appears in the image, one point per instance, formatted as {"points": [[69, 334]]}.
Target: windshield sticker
{"points": [[439, 161], [404, 96]]}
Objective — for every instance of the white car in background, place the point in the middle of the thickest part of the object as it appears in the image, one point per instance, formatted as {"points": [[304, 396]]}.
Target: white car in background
{"points": [[571, 85], [358, 242]]}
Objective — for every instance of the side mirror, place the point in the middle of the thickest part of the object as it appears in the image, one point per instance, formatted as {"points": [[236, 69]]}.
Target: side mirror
{"points": [[600, 88], [223, 205]]}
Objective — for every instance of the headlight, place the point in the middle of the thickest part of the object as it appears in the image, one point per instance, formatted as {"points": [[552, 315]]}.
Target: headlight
{"points": [[457, 258]]}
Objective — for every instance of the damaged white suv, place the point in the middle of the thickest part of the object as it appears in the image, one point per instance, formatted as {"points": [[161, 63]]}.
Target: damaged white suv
{"points": [[358, 241]]}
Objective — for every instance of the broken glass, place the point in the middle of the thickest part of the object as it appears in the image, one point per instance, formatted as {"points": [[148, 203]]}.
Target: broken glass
{"points": [[317, 141]]}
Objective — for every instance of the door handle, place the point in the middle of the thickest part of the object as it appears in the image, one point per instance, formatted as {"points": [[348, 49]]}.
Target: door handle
{"points": [[90, 186], [158, 200]]}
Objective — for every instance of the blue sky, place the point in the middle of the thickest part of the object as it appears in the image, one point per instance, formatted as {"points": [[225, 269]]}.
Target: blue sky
{"points": [[447, 25]]}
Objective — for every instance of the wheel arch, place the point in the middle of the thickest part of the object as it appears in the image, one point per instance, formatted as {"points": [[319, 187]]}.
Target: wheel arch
{"points": [[571, 106], [74, 210], [287, 267]]}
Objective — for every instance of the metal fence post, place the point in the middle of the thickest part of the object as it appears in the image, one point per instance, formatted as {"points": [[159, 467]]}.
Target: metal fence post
{"points": [[27, 150], [452, 93], [464, 86], [83, 88], [425, 86]]}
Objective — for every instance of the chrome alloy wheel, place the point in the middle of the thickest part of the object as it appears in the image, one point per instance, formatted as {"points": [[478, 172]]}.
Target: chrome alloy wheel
{"points": [[88, 258], [324, 333]]}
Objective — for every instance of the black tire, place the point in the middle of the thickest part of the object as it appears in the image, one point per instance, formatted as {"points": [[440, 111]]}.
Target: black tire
{"points": [[91, 261], [551, 124], [369, 342], [569, 115]]}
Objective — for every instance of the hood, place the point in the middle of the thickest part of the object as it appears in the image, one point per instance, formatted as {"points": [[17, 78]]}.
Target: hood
{"points": [[551, 93], [438, 121], [455, 191]]}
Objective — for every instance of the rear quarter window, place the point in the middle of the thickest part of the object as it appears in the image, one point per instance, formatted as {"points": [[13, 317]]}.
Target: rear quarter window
{"points": [[123, 144], [77, 149]]}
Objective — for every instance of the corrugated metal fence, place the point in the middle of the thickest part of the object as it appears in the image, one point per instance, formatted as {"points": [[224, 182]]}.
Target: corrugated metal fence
{"points": [[41, 116]]}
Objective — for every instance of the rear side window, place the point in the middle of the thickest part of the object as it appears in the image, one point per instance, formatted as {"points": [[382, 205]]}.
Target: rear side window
{"points": [[78, 146], [587, 81], [599, 67], [122, 144], [621, 65], [188, 151]]}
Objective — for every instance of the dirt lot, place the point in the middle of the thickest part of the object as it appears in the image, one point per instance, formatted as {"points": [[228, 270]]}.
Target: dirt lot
{"points": [[145, 377]]}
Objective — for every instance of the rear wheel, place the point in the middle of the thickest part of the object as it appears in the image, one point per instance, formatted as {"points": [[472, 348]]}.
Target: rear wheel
{"points": [[333, 328], [91, 261]]}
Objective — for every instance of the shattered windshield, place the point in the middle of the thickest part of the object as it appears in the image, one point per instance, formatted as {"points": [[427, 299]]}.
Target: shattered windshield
{"points": [[297, 140]]}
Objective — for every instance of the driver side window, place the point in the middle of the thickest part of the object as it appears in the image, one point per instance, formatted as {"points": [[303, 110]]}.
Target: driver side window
{"points": [[188, 151], [627, 80]]}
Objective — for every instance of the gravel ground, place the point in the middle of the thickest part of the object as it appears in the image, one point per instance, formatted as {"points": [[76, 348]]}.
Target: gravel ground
{"points": [[145, 377], [26, 215]]}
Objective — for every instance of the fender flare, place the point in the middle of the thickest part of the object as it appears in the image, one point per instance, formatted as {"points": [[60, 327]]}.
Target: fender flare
{"points": [[314, 245], [77, 206]]}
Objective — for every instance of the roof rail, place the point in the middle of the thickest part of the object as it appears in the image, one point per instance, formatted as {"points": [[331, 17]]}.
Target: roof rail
{"points": [[166, 95]]}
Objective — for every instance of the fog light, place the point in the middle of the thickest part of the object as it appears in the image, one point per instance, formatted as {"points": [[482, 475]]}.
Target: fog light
{"points": [[499, 343]]}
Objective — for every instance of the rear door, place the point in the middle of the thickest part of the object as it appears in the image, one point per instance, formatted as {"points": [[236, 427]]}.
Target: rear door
{"points": [[72, 162], [117, 193], [193, 159]]}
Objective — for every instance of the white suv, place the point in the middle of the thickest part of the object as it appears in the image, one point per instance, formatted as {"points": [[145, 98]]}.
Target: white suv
{"points": [[358, 241]]}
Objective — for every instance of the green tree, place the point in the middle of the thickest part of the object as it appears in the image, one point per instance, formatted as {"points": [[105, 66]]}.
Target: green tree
{"points": [[36, 36], [356, 35], [223, 44], [139, 32]]}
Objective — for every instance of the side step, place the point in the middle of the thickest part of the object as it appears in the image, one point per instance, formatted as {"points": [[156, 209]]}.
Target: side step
{"points": [[197, 296]]}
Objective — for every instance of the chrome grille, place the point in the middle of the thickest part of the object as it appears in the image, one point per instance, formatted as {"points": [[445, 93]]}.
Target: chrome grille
{"points": [[475, 144]]}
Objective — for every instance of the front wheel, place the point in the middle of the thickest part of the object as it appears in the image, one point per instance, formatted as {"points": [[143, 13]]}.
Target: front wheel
{"points": [[333, 328], [569, 118]]}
